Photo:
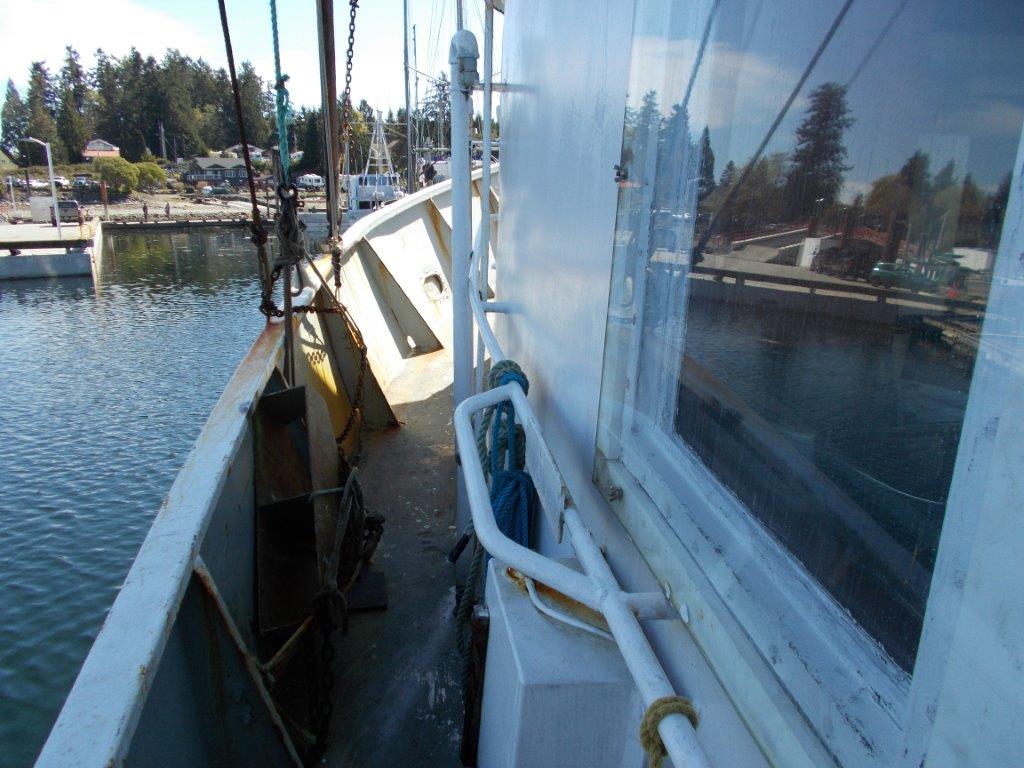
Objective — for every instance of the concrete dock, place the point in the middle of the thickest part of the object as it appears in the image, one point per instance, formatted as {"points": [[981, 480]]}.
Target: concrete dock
{"points": [[37, 250]]}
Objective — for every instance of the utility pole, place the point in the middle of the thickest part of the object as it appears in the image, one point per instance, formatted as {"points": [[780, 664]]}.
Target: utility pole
{"points": [[163, 140], [410, 171]]}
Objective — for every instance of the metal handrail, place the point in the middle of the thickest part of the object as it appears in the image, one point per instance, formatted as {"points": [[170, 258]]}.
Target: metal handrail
{"points": [[597, 586]]}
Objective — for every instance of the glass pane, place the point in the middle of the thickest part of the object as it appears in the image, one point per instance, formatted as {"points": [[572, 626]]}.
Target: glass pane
{"points": [[810, 204]]}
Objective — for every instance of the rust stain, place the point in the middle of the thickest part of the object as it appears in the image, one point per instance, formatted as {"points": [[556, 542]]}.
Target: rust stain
{"points": [[560, 601]]}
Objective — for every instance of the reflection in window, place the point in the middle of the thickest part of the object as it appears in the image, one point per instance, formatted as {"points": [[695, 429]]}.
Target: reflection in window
{"points": [[811, 199]]}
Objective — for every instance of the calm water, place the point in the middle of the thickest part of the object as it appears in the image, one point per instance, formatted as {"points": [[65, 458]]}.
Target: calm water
{"points": [[104, 390]]}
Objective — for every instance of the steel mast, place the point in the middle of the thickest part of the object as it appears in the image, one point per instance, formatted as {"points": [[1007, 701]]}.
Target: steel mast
{"points": [[410, 171]]}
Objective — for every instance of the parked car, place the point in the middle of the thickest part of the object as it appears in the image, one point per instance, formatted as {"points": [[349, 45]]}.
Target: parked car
{"points": [[61, 181], [37, 184], [888, 274], [42, 210], [839, 263], [70, 210], [82, 181]]}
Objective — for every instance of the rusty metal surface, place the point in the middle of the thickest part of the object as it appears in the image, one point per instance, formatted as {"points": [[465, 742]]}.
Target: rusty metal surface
{"points": [[562, 603], [250, 662]]}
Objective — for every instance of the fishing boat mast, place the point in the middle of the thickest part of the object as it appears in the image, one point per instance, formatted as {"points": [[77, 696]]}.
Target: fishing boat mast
{"points": [[410, 172], [329, 100]]}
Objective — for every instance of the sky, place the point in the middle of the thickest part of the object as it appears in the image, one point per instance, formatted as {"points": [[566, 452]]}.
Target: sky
{"points": [[941, 76], [193, 26]]}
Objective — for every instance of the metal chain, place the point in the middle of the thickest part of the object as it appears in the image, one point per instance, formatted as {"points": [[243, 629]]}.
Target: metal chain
{"points": [[346, 129], [346, 101]]}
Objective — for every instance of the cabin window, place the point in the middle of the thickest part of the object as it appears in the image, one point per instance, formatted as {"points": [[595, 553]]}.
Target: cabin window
{"points": [[810, 206]]}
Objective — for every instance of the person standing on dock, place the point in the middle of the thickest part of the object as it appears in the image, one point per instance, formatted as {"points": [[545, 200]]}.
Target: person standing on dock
{"points": [[145, 212]]}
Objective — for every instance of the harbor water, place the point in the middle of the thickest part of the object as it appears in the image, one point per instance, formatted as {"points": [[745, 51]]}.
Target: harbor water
{"points": [[105, 389]]}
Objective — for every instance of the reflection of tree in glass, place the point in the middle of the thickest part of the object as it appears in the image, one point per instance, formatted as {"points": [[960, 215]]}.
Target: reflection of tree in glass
{"points": [[926, 216], [819, 160], [706, 185]]}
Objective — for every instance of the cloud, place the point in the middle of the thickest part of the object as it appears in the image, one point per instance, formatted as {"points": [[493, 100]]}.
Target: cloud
{"points": [[734, 87], [118, 25], [113, 25]]}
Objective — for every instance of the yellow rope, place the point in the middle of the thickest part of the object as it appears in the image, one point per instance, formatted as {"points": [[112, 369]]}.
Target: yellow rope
{"points": [[650, 739]]}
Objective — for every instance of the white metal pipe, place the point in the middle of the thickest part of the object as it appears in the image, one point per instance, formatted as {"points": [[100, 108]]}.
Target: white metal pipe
{"points": [[462, 58], [596, 588], [676, 730], [461, 228], [571, 583], [484, 238], [490, 341], [475, 296], [497, 307]]}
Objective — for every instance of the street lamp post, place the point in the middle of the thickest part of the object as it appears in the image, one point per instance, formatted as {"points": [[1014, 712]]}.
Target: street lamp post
{"points": [[53, 184]]}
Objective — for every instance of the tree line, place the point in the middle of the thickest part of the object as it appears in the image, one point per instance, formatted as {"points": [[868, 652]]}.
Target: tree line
{"points": [[126, 100], [931, 210]]}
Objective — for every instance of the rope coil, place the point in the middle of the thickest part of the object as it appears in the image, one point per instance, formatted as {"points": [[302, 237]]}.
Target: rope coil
{"points": [[658, 710]]}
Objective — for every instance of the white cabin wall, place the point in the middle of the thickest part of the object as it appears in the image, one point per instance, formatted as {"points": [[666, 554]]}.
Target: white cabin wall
{"points": [[567, 67], [561, 121], [968, 689]]}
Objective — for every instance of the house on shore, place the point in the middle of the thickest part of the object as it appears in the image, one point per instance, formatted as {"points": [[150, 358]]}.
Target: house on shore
{"points": [[98, 148], [215, 170]]}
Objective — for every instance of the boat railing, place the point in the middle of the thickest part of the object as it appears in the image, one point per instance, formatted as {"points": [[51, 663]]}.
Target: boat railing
{"points": [[596, 587]]}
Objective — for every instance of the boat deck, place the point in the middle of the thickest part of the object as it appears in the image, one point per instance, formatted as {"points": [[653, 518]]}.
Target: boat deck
{"points": [[397, 693]]}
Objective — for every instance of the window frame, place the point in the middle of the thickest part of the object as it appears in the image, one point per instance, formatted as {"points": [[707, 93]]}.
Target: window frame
{"points": [[844, 683], [837, 674]]}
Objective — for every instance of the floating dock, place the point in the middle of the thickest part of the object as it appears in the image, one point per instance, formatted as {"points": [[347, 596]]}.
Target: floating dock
{"points": [[37, 250]]}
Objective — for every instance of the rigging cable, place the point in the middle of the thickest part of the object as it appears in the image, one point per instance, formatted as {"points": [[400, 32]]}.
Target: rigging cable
{"points": [[699, 250], [259, 234]]}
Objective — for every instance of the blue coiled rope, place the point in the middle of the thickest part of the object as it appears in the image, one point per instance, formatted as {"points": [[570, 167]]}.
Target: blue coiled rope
{"points": [[512, 493], [513, 496]]}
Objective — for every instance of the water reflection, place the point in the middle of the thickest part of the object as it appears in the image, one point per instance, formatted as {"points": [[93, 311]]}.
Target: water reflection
{"points": [[105, 390], [811, 201]]}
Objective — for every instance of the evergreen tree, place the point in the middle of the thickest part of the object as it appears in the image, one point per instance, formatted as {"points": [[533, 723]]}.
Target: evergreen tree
{"points": [[13, 122], [818, 164], [310, 127], [256, 106], [706, 181], [972, 210], [438, 111], [996, 210], [41, 101], [71, 126], [176, 84], [728, 175]]}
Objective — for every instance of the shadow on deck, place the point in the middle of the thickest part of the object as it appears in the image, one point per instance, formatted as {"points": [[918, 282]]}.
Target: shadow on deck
{"points": [[397, 694]]}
